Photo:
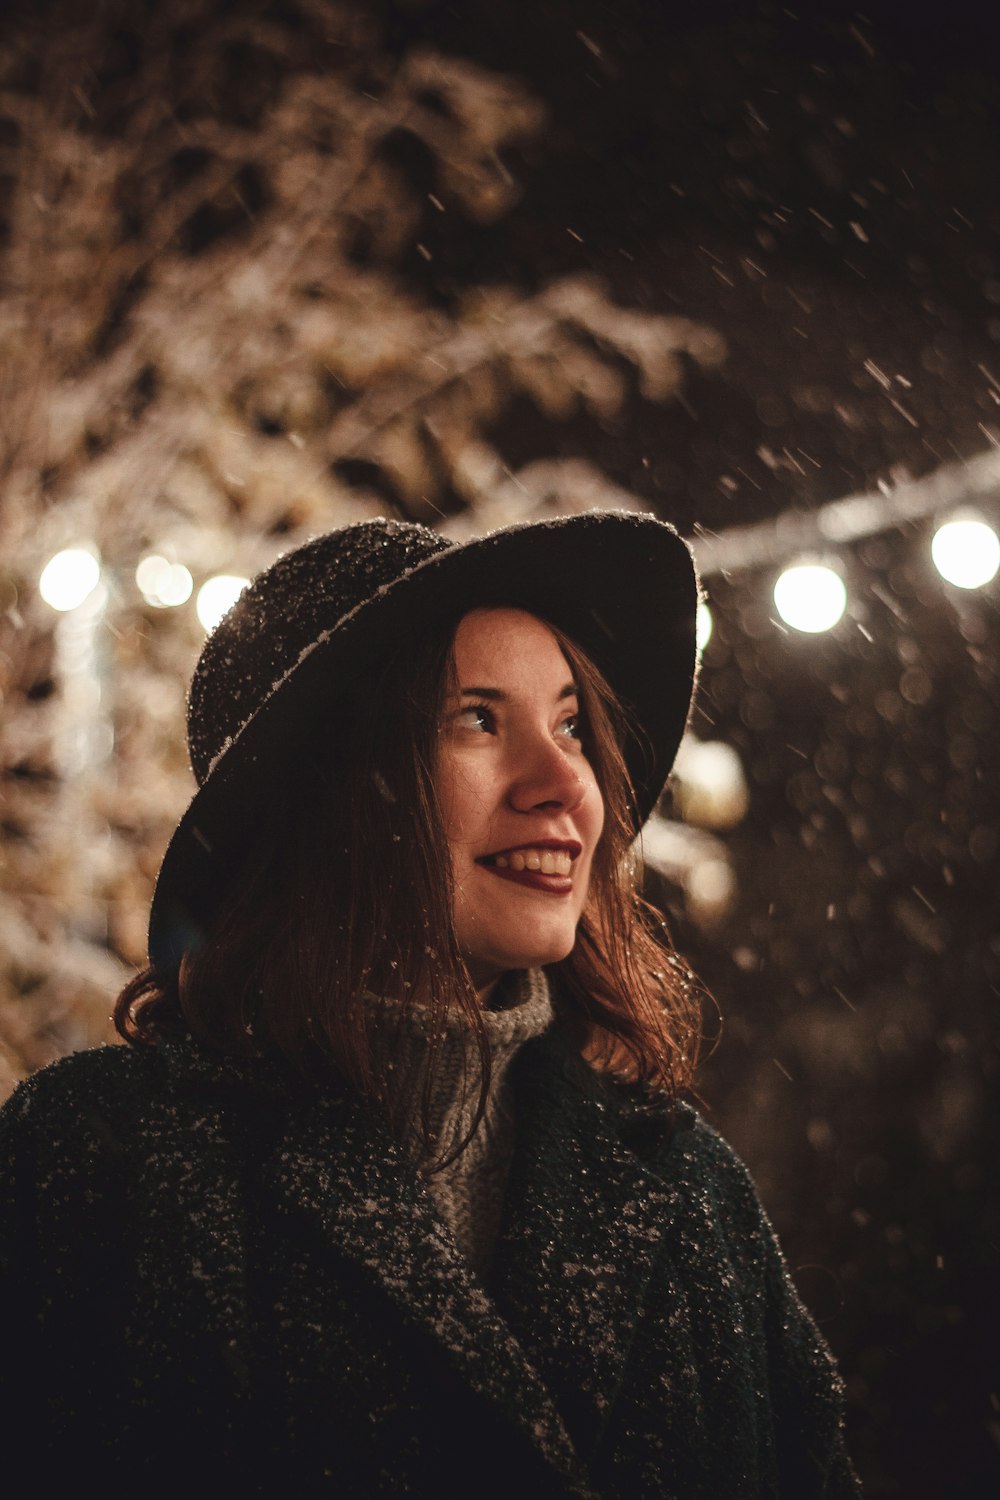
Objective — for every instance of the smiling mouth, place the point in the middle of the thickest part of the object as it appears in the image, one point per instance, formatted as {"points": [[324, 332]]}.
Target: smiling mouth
{"points": [[540, 861], [536, 867], [547, 857]]}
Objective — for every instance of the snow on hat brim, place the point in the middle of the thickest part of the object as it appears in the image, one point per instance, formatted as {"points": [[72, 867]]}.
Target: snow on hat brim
{"points": [[621, 585]]}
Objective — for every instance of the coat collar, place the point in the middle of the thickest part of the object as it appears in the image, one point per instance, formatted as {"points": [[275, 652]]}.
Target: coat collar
{"points": [[585, 1219], [583, 1223], [339, 1165], [332, 1162]]}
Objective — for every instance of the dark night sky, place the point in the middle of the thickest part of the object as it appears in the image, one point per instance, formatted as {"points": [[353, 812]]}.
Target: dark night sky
{"points": [[822, 188]]}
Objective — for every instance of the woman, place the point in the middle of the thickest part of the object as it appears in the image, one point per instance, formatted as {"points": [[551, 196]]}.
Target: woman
{"points": [[393, 1192]]}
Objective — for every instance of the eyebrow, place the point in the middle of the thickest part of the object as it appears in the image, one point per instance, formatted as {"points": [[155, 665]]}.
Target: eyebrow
{"points": [[496, 696]]}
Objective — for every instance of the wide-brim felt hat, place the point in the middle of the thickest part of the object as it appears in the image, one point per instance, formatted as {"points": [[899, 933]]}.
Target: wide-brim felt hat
{"points": [[621, 585]]}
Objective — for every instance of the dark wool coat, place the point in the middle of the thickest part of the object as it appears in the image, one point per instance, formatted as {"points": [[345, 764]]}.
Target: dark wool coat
{"points": [[211, 1278]]}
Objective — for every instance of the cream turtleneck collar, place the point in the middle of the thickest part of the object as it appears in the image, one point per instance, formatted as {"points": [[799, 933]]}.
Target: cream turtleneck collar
{"points": [[469, 1192]]}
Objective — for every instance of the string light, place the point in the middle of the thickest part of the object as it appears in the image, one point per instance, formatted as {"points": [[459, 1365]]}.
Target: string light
{"points": [[163, 584], [704, 625], [810, 597], [966, 552], [217, 596], [69, 578]]}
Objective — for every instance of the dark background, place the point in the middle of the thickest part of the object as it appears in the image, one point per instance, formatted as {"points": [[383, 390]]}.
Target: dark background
{"points": [[821, 187]]}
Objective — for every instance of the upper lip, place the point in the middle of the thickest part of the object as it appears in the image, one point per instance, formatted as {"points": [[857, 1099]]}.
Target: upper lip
{"points": [[572, 847]]}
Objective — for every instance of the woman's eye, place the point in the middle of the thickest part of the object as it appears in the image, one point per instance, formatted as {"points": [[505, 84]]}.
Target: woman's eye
{"points": [[477, 716], [480, 717]]}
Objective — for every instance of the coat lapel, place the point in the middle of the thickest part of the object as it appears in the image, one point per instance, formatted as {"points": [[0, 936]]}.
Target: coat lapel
{"points": [[584, 1223], [339, 1166]]}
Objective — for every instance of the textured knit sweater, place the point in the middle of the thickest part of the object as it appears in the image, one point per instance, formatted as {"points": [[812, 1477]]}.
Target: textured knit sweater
{"points": [[469, 1191]]}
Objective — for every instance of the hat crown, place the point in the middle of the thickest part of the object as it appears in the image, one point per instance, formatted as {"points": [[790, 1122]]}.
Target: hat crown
{"points": [[302, 597]]}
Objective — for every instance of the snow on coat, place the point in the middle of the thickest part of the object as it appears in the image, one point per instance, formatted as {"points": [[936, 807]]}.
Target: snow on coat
{"points": [[210, 1276]]}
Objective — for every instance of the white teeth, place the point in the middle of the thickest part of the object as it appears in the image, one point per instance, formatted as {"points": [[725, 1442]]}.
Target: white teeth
{"points": [[545, 861]]}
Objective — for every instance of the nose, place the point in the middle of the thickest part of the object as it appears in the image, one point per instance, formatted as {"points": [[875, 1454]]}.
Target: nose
{"points": [[546, 777]]}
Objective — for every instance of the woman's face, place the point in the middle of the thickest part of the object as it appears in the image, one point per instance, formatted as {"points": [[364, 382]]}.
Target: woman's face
{"points": [[521, 805]]}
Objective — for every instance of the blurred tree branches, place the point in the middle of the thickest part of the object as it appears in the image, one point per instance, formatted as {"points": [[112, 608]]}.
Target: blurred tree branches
{"points": [[212, 349]]}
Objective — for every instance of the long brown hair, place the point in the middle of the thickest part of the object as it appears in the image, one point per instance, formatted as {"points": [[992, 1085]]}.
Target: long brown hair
{"points": [[345, 893]]}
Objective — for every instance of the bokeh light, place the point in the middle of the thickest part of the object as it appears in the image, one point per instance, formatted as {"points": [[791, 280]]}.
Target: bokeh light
{"points": [[217, 596], [163, 584], [704, 625], [810, 597], [69, 578], [709, 788], [709, 891], [966, 552]]}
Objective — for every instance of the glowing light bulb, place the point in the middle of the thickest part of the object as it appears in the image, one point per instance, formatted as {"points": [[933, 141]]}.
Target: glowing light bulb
{"points": [[217, 596], [703, 627], [69, 578], [966, 552], [810, 597], [163, 584]]}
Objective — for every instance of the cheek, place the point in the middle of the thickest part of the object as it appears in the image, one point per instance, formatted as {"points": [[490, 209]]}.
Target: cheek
{"points": [[598, 827], [591, 826], [595, 811], [461, 798]]}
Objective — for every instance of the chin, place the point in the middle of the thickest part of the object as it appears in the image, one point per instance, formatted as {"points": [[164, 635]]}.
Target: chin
{"points": [[501, 957]]}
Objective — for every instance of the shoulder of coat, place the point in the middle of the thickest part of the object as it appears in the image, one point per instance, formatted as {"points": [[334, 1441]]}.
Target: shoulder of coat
{"points": [[81, 1080], [653, 1122], [713, 1159]]}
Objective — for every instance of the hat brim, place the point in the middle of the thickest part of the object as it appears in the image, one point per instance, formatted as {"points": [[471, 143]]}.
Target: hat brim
{"points": [[621, 585]]}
